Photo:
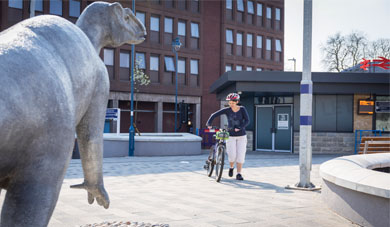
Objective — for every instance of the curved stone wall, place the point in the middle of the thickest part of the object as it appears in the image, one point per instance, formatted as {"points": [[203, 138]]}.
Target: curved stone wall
{"points": [[352, 189]]}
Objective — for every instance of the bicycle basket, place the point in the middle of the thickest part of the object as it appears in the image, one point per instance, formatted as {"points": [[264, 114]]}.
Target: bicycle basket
{"points": [[222, 135]]}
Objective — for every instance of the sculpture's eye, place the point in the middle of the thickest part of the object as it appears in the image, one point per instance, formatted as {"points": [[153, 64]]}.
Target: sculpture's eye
{"points": [[127, 17]]}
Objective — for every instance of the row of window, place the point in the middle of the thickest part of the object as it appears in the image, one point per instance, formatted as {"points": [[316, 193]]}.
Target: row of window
{"points": [[154, 65], [193, 5], [235, 46], [55, 6], [249, 40], [230, 67], [168, 25], [251, 9], [272, 19], [168, 28]]}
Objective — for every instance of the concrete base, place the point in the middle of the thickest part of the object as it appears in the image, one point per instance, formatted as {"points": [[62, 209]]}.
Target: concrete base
{"points": [[361, 208], [150, 144], [355, 191]]}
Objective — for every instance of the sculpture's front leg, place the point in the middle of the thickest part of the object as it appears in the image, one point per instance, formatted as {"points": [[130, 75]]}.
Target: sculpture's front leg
{"points": [[90, 142]]}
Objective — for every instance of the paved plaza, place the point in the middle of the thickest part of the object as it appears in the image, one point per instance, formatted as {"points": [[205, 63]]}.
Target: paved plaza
{"points": [[176, 191]]}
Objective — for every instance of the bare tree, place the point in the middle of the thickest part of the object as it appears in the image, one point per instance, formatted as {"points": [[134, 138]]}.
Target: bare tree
{"points": [[335, 53], [380, 47], [344, 51], [357, 48]]}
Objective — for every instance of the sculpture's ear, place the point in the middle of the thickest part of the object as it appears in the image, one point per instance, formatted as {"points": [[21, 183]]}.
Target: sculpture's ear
{"points": [[116, 7]]}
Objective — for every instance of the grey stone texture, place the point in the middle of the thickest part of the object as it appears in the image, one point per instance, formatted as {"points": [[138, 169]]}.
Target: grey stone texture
{"points": [[55, 85], [329, 143]]}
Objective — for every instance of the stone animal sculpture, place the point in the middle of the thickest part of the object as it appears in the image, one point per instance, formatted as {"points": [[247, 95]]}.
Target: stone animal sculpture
{"points": [[52, 85]]}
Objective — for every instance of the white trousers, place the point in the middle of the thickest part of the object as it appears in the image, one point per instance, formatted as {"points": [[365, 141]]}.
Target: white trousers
{"points": [[236, 148]]}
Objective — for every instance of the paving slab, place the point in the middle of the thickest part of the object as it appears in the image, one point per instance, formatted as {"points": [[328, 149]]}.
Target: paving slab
{"points": [[175, 190]]}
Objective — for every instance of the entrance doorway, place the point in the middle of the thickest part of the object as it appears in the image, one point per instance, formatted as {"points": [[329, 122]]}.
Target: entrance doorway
{"points": [[274, 128]]}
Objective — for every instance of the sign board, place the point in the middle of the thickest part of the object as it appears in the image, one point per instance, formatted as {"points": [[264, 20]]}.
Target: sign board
{"points": [[366, 107], [382, 107], [282, 121], [112, 114]]}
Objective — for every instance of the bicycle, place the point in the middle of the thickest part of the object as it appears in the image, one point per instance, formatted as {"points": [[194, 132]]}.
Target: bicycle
{"points": [[217, 154]]}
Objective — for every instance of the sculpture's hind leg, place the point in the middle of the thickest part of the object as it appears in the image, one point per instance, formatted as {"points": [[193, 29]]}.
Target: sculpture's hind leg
{"points": [[34, 188]]}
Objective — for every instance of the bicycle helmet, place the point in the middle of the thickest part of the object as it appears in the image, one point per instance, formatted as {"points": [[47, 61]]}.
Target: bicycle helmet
{"points": [[233, 97]]}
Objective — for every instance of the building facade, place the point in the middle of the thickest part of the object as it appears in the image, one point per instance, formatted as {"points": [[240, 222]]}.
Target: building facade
{"points": [[216, 36], [343, 104]]}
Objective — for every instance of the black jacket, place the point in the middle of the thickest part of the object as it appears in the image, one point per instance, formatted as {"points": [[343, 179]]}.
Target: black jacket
{"points": [[239, 119]]}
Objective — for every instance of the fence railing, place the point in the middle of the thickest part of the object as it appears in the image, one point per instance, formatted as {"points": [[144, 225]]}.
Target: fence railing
{"points": [[359, 135]]}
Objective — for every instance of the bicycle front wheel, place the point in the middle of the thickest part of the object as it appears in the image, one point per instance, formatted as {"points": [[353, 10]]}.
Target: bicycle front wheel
{"points": [[210, 162], [219, 162]]}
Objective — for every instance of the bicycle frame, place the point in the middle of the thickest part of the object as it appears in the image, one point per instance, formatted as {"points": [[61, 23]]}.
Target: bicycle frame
{"points": [[217, 157]]}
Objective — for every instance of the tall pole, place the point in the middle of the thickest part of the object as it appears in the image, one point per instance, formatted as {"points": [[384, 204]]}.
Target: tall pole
{"points": [[131, 129], [176, 60], [32, 8], [305, 153]]}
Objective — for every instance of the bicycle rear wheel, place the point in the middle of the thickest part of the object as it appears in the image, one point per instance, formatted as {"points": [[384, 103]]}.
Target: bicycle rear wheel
{"points": [[219, 162], [211, 162]]}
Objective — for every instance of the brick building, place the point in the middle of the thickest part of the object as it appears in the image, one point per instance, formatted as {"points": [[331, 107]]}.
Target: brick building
{"points": [[217, 36]]}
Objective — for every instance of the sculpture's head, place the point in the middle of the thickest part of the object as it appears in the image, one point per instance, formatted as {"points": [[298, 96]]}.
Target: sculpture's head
{"points": [[125, 26], [111, 24]]}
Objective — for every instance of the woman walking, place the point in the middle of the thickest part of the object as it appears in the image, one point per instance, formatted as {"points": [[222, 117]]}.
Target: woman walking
{"points": [[238, 119]]}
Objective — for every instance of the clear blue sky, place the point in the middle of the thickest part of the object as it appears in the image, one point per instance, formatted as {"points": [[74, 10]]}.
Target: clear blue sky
{"points": [[330, 16]]}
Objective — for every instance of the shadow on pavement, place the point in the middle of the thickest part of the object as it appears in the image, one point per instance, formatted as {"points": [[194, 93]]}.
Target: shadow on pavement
{"points": [[248, 184]]}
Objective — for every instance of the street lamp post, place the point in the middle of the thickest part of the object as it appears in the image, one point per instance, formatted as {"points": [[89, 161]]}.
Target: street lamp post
{"points": [[175, 47], [131, 129], [295, 62]]}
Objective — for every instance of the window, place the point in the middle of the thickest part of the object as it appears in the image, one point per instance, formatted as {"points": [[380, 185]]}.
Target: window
{"points": [[181, 66], [250, 7], [168, 25], [259, 41], [259, 9], [249, 42], [228, 68], [249, 68], [269, 13], [229, 36], [17, 4], [56, 7], [74, 8], [155, 24], [195, 6], [194, 67], [278, 45], [140, 59], [239, 68], [169, 66], [240, 5], [382, 118], [277, 14], [268, 47], [108, 56], [124, 59], [141, 17], [333, 113], [229, 4], [181, 28], [154, 63], [239, 39], [259, 69], [39, 5], [195, 30]]}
